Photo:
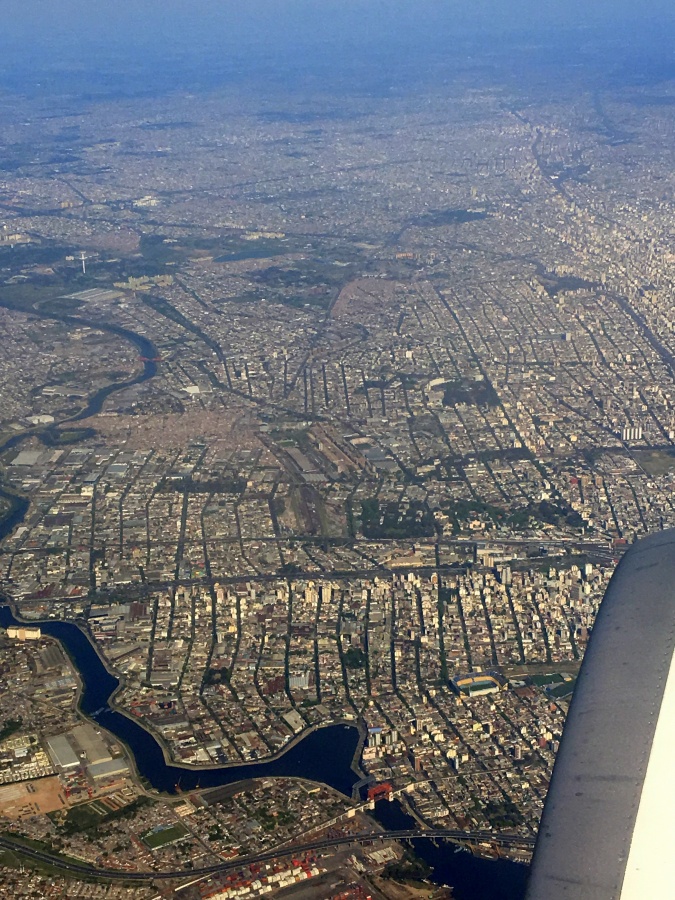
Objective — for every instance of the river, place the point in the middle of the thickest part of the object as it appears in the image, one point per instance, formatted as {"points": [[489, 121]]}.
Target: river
{"points": [[148, 352], [146, 349], [16, 514], [324, 755], [471, 877]]}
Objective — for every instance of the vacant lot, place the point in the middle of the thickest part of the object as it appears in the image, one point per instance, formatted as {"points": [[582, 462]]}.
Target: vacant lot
{"points": [[655, 462], [30, 798]]}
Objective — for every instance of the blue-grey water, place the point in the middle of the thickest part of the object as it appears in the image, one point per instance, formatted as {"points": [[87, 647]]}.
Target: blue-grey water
{"points": [[325, 756], [471, 877]]}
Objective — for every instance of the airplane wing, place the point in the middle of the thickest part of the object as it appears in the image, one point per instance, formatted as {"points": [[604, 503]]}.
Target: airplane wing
{"points": [[608, 827]]}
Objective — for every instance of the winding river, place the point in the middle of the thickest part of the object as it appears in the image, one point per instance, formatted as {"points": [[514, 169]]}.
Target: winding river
{"points": [[146, 350], [324, 755], [18, 507], [471, 877]]}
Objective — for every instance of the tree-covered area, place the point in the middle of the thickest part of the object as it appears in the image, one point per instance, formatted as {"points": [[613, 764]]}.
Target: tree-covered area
{"points": [[503, 815], [438, 218], [409, 868], [62, 437], [473, 393], [548, 512], [10, 727], [88, 817], [355, 658], [462, 511], [217, 675], [272, 821], [217, 484]]}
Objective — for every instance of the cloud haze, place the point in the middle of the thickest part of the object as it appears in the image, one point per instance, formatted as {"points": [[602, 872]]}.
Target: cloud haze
{"points": [[190, 41]]}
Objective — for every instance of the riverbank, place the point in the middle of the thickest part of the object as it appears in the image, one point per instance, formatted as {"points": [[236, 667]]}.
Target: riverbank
{"points": [[16, 511], [325, 754], [148, 354], [467, 875]]}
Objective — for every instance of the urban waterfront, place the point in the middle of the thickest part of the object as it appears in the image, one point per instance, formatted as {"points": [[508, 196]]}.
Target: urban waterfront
{"points": [[325, 755], [470, 877], [337, 373], [148, 355], [16, 510]]}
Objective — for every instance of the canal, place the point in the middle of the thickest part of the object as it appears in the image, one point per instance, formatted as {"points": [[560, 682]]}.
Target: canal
{"points": [[324, 755], [147, 352]]}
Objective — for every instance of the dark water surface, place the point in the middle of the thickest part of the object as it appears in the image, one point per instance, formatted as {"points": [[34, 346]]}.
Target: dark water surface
{"points": [[146, 349], [324, 755], [18, 510], [471, 877]]}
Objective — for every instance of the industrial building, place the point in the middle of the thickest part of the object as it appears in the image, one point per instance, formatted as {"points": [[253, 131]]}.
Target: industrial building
{"points": [[62, 754]]}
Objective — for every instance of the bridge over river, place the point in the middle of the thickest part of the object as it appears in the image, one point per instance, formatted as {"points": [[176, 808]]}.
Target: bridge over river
{"points": [[73, 867]]}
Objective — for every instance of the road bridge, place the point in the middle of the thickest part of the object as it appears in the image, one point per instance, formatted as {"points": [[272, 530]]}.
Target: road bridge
{"points": [[88, 870]]}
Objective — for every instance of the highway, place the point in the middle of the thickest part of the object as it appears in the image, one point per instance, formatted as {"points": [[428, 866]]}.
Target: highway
{"points": [[88, 870]]}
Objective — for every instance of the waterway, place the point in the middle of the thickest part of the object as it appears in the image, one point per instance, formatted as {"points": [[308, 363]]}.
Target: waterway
{"points": [[146, 350], [471, 877], [15, 516], [324, 755]]}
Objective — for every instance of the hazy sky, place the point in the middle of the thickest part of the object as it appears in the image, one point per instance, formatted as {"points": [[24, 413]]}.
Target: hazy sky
{"points": [[143, 19], [41, 37]]}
